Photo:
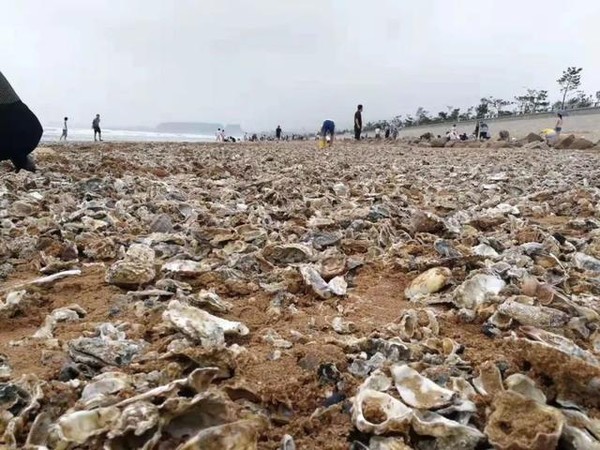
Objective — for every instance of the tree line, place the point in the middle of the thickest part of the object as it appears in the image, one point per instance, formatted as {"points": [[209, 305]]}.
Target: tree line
{"points": [[531, 102]]}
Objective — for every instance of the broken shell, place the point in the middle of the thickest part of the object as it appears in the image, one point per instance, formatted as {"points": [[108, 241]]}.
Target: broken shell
{"points": [[341, 326], [240, 435], [200, 325], [387, 443], [525, 386], [447, 433], [477, 290], [418, 391], [489, 381], [79, 426], [287, 254], [540, 316], [136, 269], [379, 413], [97, 392], [428, 282], [519, 423]]}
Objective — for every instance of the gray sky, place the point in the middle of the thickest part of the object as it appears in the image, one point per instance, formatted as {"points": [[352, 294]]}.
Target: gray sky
{"points": [[295, 63]]}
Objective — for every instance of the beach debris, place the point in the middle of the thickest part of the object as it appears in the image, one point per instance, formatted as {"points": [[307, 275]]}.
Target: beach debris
{"points": [[477, 290], [136, 269], [418, 391], [518, 422], [201, 326], [428, 282]]}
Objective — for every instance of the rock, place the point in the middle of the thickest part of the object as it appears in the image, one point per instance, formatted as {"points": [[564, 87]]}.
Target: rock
{"points": [[565, 142], [532, 137], [477, 290], [428, 282], [581, 144], [439, 142]]}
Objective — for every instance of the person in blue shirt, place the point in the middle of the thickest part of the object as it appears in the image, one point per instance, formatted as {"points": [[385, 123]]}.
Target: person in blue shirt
{"points": [[20, 129], [328, 128]]}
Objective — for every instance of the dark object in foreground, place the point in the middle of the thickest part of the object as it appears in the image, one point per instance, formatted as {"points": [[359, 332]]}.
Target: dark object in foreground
{"points": [[20, 129]]}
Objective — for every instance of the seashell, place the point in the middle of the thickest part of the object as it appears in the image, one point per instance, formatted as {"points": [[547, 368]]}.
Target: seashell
{"points": [[525, 386], [71, 313], [99, 352], [586, 262], [387, 443], [447, 433], [341, 326], [532, 315], [519, 423], [287, 443], [79, 426], [379, 413], [97, 392], [201, 326], [287, 254], [418, 391], [210, 301], [186, 267], [136, 269], [574, 438], [485, 250], [240, 435], [427, 283], [337, 286], [489, 381], [560, 343], [477, 290]]}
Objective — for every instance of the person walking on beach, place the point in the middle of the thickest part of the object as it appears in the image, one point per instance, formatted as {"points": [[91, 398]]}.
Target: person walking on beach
{"points": [[96, 128], [20, 129], [64, 130], [278, 132], [358, 122], [328, 128], [559, 124]]}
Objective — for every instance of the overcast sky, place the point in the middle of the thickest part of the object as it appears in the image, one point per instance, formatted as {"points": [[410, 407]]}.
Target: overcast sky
{"points": [[295, 63]]}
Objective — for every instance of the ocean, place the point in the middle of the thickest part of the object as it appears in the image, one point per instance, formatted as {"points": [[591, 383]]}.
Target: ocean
{"points": [[83, 134]]}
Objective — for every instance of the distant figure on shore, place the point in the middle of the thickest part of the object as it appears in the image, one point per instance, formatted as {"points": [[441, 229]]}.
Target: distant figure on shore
{"points": [[328, 128], [377, 133], [278, 132], [20, 129], [358, 122], [96, 128], [484, 131], [65, 130], [559, 124], [387, 132], [220, 135]]}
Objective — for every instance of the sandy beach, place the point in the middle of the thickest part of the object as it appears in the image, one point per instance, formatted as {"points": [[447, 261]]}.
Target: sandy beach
{"points": [[313, 255]]}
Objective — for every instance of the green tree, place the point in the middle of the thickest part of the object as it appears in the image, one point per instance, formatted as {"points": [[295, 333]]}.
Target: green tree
{"points": [[498, 104], [569, 81], [422, 116], [409, 121], [533, 101], [483, 108], [581, 100], [442, 115]]}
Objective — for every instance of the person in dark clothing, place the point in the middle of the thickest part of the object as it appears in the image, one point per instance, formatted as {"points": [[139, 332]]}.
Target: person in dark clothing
{"points": [[20, 129], [358, 122], [96, 127], [278, 132], [328, 128]]}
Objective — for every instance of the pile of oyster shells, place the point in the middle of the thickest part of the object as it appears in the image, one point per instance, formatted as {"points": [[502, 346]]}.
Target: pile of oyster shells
{"points": [[503, 241]]}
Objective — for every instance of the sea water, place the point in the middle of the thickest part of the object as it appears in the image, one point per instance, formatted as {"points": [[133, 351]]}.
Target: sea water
{"points": [[82, 134]]}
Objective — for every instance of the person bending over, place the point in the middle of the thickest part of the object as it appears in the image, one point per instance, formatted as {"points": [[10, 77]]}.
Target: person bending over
{"points": [[328, 128], [20, 129]]}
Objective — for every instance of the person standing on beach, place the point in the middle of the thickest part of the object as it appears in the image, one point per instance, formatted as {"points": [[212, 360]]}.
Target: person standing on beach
{"points": [[20, 129], [358, 122], [559, 124], [96, 128], [278, 132], [328, 128], [65, 130]]}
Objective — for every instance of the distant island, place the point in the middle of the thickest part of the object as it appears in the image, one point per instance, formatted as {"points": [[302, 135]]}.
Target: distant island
{"points": [[198, 128]]}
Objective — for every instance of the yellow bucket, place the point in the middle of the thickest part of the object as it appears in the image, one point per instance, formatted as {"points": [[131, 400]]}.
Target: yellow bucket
{"points": [[322, 144]]}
